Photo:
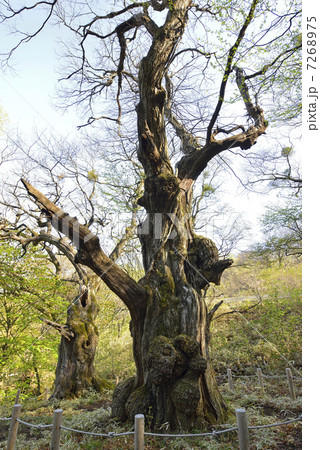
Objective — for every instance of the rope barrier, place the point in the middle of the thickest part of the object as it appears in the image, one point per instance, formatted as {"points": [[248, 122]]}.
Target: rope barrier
{"points": [[244, 376], [31, 425], [5, 418], [138, 433], [211, 433], [253, 376], [275, 424], [111, 434], [183, 435], [274, 376], [265, 376]]}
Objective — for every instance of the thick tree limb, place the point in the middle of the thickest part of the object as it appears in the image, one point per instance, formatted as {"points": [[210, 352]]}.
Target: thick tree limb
{"points": [[192, 165], [91, 255], [153, 151], [159, 5], [254, 112]]}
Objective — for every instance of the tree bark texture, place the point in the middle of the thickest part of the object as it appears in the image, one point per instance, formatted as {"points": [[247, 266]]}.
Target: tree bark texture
{"points": [[75, 372], [175, 382]]}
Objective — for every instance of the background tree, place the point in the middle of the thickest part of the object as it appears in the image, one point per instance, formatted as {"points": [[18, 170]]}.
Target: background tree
{"points": [[282, 228], [148, 48], [65, 171], [29, 290]]}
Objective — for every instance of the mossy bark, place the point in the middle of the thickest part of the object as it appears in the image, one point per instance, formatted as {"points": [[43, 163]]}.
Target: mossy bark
{"points": [[75, 370], [176, 383], [179, 386]]}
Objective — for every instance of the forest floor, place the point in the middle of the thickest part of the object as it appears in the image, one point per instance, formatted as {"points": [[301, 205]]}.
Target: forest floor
{"points": [[92, 413]]}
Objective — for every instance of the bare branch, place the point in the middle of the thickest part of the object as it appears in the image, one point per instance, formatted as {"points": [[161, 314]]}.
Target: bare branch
{"points": [[229, 68], [28, 37], [115, 13], [265, 68], [238, 311]]}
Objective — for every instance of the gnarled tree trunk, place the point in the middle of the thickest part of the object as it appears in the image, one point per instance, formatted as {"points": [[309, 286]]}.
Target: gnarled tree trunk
{"points": [[75, 371], [178, 385], [175, 382]]}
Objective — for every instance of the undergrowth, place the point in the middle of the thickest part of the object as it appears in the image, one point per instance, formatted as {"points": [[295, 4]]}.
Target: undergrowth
{"points": [[92, 413]]}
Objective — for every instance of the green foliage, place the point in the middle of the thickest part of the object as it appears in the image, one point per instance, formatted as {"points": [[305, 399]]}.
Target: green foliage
{"points": [[114, 360], [28, 291], [286, 151], [268, 335], [171, 4], [282, 228], [92, 176]]}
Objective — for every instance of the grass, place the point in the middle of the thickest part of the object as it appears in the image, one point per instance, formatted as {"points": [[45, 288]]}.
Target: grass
{"points": [[92, 413]]}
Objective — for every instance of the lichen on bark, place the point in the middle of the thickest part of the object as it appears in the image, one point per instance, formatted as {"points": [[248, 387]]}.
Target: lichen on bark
{"points": [[75, 371]]}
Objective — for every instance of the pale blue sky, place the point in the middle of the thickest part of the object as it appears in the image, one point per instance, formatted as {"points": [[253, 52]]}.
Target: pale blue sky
{"points": [[27, 92]]}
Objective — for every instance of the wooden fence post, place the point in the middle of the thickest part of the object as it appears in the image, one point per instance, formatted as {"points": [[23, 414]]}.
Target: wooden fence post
{"points": [[243, 431], [56, 430], [46, 394], [139, 432], [16, 402], [260, 378], [230, 380], [290, 382], [14, 427]]}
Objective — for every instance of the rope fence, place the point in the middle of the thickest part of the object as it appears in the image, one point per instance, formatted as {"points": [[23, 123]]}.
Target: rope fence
{"points": [[139, 432], [261, 377]]}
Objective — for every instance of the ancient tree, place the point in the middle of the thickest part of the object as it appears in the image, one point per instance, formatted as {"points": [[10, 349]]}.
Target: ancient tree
{"points": [[145, 46]]}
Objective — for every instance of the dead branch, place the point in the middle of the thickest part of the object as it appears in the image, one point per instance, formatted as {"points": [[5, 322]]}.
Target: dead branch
{"points": [[62, 329], [242, 311]]}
